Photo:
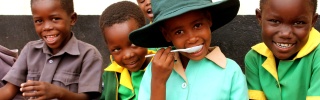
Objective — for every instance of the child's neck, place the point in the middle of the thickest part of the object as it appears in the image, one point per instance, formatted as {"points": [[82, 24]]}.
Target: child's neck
{"points": [[184, 61], [145, 64]]}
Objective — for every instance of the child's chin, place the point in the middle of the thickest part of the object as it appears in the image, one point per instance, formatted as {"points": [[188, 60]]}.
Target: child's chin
{"points": [[197, 58]]}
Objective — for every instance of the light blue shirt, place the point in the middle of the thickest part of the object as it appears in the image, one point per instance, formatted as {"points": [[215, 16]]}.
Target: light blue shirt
{"points": [[212, 78]]}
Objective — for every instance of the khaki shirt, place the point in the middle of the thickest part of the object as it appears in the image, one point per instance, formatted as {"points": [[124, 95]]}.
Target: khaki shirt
{"points": [[77, 67]]}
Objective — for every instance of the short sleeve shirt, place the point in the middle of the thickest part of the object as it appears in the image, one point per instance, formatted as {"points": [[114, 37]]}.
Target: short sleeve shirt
{"points": [[296, 79], [77, 67], [212, 78]]}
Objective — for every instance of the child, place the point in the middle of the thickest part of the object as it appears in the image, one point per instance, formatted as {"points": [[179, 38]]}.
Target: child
{"points": [[286, 66], [202, 75], [58, 66], [145, 6], [7, 59], [122, 78]]}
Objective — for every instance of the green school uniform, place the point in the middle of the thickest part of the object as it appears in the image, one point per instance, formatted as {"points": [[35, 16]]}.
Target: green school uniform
{"points": [[120, 84], [296, 79]]}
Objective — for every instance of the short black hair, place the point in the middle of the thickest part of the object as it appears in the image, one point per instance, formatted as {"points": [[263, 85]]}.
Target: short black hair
{"points": [[66, 5], [314, 3], [120, 12]]}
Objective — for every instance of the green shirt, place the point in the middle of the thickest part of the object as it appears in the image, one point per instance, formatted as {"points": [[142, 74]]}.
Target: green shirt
{"points": [[125, 93], [296, 79], [212, 78]]}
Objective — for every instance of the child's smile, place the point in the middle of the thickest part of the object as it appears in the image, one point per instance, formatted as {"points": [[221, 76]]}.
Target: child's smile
{"points": [[51, 39], [123, 51], [285, 31], [52, 23], [188, 30]]}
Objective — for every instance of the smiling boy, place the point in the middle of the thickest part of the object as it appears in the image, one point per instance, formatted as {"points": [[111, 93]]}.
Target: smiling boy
{"points": [[58, 66], [286, 66]]}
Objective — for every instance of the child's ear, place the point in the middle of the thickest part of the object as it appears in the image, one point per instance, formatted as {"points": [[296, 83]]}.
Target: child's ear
{"points": [[314, 19], [165, 35], [74, 18], [258, 15]]}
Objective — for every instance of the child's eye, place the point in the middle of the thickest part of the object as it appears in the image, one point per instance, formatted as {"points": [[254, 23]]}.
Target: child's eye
{"points": [[179, 32], [299, 23], [133, 45], [274, 21], [38, 21], [141, 1], [116, 50], [55, 19], [198, 25]]}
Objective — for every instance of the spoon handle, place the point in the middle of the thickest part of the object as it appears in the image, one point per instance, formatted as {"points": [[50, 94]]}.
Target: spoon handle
{"points": [[150, 55]]}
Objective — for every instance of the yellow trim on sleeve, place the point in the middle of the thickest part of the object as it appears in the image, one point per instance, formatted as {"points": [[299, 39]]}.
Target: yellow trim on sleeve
{"points": [[313, 98], [256, 95]]}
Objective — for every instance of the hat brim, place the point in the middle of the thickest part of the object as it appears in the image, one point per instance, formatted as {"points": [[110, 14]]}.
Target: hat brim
{"points": [[150, 35]]}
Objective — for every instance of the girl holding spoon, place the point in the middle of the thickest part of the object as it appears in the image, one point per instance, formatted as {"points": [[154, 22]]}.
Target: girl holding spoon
{"points": [[184, 75]]}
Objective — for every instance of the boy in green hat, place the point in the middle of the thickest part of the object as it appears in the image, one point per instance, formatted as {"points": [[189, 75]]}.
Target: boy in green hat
{"points": [[203, 74]]}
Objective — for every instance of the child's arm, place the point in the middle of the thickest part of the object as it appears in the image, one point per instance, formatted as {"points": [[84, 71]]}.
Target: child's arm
{"points": [[314, 91], [8, 91], [44, 90], [157, 75], [252, 76], [239, 90], [162, 65]]}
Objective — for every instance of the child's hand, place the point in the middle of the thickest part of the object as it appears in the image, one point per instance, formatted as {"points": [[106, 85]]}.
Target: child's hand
{"points": [[39, 90], [162, 65]]}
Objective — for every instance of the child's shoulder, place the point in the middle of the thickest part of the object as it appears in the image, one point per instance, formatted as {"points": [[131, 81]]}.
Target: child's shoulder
{"points": [[231, 64]]}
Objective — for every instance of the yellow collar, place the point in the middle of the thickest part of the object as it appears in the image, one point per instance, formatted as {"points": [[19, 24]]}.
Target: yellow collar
{"points": [[270, 64], [215, 56], [125, 78]]}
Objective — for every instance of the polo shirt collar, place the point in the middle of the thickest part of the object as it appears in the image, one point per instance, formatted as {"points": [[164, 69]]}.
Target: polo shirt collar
{"points": [[270, 64], [215, 56], [71, 47]]}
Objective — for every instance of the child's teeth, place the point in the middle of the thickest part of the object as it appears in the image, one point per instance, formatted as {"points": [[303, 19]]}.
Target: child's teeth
{"points": [[283, 45]]}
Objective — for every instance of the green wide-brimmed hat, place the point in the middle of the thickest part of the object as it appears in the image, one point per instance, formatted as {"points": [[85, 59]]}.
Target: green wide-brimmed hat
{"points": [[150, 36]]}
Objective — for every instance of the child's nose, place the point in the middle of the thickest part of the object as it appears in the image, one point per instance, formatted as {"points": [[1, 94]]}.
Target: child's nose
{"points": [[47, 26], [128, 54], [193, 39], [285, 31]]}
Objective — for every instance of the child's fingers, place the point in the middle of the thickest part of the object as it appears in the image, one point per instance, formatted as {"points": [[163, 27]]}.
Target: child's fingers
{"points": [[165, 53], [28, 83], [30, 88], [33, 94], [158, 54]]}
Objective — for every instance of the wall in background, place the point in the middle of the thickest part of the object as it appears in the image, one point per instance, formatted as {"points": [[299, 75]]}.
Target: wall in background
{"points": [[16, 26]]}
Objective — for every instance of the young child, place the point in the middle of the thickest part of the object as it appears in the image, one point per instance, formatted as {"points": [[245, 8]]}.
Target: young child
{"points": [[58, 66], [205, 74], [7, 59], [122, 78], [286, 66], [145, 6]]}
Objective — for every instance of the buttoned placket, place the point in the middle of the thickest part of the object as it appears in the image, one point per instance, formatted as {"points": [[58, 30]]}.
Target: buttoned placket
{"points": [[49, 68]]}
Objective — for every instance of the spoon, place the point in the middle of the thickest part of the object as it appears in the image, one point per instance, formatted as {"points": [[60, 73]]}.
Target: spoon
{"points": [[187, 50]]}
